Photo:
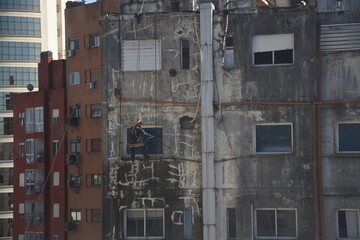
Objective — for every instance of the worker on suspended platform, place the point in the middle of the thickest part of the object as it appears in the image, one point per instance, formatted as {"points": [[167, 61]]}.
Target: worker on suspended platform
{"points": [[135, 137]]}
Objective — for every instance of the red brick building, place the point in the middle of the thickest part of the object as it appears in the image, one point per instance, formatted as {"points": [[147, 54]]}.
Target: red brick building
{"points": [[39, 147]]}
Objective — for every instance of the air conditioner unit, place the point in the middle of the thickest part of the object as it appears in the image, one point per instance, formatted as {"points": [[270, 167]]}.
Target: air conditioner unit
{"points": [[91, 85], [72, 159], [70, 53]]}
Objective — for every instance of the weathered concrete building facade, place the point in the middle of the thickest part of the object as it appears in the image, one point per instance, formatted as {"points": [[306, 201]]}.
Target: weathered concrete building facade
{"points": [[277, 157]]}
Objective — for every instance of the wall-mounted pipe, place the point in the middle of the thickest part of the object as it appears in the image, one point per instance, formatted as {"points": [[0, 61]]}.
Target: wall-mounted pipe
{"points": [[207, 121]]}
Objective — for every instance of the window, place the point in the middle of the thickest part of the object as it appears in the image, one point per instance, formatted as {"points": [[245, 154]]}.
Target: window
{"points": [[96, 215], [56, 179], [56, 145], [95, 75], [94, 40], [348, 137], [273, 138], [276, 223], [141, 55], [21, 209], [229, 53], [18, 75], [33, 5], [21, 179], [21, 149], [55, 115], [39, 119], [75, 214], [95, 145], [56, 237], [30, 181], [75, 146], [29, 120], [29, 150], [73, 43], [75, 111], [231, 223], [95, 110], [153, 145], [273, 49], [96, 180], [56, 210], [21, 118], [144, 223], [20, 51], [20, 26], [187, 223], [185, 54], [74, 78], [348, 224], [34, 119], [34, 150], [75, 180]]}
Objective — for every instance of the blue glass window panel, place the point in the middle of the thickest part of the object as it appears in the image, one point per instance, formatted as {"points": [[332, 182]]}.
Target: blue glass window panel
{"points": [[273, 138], [349, 137]]}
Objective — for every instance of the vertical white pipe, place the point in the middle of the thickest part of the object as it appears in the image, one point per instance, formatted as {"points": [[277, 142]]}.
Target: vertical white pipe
{"points": [[207, 121]]}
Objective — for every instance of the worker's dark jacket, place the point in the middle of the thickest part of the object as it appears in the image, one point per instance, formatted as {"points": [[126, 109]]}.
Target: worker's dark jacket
{"points": [[135, 134]]}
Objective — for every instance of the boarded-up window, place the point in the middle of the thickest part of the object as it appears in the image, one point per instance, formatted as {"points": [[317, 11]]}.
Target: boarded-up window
{"points": [[141, 55]]}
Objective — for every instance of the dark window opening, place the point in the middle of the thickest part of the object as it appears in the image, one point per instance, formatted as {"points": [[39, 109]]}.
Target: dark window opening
{"points": [[187, 123], [185, 54], [283, 56], [231, 223], [261, 58], [153, 145], [274, 138], [349, 137]]}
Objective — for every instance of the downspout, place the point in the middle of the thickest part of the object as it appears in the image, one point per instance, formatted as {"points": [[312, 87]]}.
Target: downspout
{"points": [[207, 121], [317, 174]]}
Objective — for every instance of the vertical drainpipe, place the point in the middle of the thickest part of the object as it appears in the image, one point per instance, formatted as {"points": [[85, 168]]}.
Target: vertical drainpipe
{"points": [[207, 121]]}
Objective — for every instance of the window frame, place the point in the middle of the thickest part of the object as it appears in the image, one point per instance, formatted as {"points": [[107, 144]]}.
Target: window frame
{"points": [[39, 119], [338, 136], [274, 124], [77, 215], [145, 220], [55, 115], [56, 146], [185, 54], [73, 44], [96, 180], [275, 43], [337, 223], [21, 118], [74, 78], [136, 53], [95, 110], [229, 230], [157, 142], [276, 226], [75, 146], [94, 41]]}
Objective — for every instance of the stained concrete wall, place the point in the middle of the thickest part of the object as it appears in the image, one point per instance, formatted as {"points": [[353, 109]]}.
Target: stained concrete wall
{"points": [[172, 180], [246, 180], [340, 73], [245, 95]]}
